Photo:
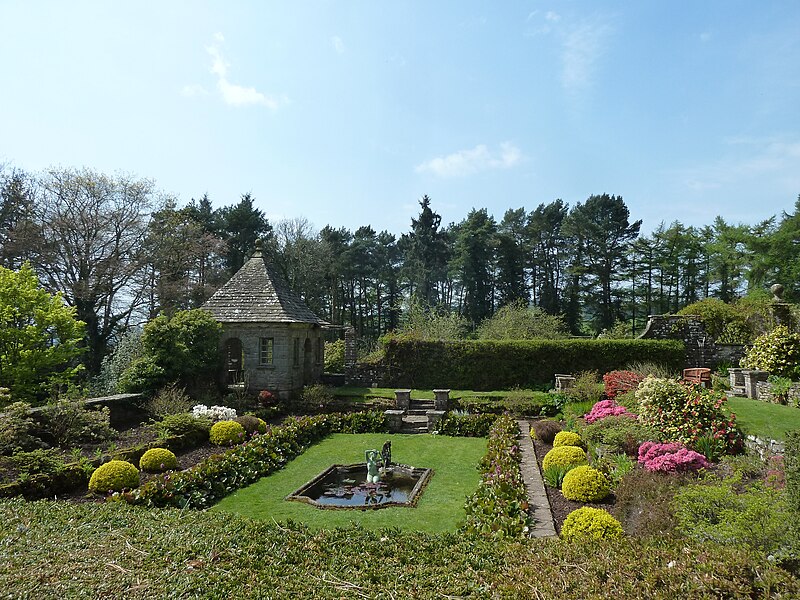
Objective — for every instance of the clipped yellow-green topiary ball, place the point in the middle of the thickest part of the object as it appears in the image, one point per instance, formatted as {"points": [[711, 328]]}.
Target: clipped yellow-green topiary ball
{"points": [[567, 438], [564, 456], [585, 484], [590, 523], [156, 460], [227, 433], [114, 476]]}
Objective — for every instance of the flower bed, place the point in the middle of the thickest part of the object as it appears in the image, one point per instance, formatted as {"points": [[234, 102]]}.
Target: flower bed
{"points": [[219, 475], [499, 508]]}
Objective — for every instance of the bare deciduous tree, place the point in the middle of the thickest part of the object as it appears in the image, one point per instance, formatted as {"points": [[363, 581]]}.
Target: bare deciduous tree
{"points": [[86, 241]]}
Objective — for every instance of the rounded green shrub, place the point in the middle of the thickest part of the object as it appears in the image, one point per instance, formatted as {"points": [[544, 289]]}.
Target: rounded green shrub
{"points": [[227, 433], [585, 484], [252, 424], [114, 476], [567, 438], [156, 460], [590, 523], [564, 456]]}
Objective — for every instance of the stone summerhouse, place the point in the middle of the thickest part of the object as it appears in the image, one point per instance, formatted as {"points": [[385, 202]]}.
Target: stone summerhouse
{"points": [[270, 339]]}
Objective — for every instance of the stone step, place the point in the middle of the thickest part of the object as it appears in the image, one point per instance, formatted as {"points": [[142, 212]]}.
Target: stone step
{"points": [[412, 430], [418, 412], [422, 405], [415, 418]]}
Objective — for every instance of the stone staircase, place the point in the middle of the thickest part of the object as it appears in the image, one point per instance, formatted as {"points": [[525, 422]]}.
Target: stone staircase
{"points": [[416, 416], [415, 419]]}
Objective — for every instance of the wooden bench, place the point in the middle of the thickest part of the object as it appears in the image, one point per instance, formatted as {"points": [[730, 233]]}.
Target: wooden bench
{"points": [[698, 376]]}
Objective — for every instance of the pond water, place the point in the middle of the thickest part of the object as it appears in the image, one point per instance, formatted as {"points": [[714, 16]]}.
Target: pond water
{"points": [[345, 486]]}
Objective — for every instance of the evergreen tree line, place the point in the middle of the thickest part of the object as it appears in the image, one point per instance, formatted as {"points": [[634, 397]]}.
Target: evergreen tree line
{"points": [[121, 253]]}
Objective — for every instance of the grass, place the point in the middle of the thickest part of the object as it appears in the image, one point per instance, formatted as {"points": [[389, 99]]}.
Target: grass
{"points": [[440, 509], [60, 550], [765, 420]]}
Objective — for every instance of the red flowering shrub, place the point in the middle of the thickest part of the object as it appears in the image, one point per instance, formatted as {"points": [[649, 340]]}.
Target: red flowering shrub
{"points": [[670, 458], [267, 398], [619, 382], [606, 408]]}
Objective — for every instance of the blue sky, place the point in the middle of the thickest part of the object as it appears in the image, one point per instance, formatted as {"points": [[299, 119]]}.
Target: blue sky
{"points": [[346, 113]]}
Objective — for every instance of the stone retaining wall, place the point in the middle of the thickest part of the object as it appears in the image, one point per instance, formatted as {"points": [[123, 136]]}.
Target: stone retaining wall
{"points": [[765, 448], [764, 391]]}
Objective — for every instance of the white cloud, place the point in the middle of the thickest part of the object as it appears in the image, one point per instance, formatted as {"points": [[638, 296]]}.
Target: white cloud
{"points": [[234, 94], [581, 47], [466, 162], [193, 90], [337, 44], [776, 158], [552, 16]]}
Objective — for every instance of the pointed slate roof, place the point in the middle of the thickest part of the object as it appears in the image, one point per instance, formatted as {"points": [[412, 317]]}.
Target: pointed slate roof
{"points": [[257, 294]]}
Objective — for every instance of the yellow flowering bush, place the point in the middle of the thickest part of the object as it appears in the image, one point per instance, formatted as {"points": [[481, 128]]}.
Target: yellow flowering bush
{"points": [[567, 438], [585, 484], [777, 351], [590, 523], [227, 433], [114, 476], [156, 460], [564, 456]]}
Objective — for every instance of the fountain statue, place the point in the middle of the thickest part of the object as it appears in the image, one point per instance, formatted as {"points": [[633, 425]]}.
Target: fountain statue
{"points": [[386, 455], [371, 457]]}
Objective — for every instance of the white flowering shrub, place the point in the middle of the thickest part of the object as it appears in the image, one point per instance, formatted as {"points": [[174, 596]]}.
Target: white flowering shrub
{"points": [[215, 413]]}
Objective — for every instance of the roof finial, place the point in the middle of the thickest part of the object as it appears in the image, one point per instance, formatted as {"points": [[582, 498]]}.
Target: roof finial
{"points": [[258, 246]]}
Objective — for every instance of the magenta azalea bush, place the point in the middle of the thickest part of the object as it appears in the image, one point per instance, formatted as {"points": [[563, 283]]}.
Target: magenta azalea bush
{"points": [[606, 408], [670, 458]]}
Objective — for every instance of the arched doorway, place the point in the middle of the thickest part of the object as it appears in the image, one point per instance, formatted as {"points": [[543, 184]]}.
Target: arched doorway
{"points": [[308, 362], [234, 361]]}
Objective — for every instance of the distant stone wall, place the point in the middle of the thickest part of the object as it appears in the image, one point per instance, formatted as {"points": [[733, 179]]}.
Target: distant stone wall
{"points": [[361, 375], [700, 347], [729, 354]]}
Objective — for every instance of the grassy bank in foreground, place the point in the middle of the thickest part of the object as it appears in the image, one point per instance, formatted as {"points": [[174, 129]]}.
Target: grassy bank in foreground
{"points": [[765, 420], [441, 507], [60, 550]]}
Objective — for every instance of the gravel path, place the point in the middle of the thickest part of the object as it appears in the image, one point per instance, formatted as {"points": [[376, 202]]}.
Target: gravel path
{"points": [[537, 496]]}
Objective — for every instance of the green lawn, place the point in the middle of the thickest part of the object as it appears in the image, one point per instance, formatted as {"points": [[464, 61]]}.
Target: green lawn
{"points": [[440, 509], [765, 420]]}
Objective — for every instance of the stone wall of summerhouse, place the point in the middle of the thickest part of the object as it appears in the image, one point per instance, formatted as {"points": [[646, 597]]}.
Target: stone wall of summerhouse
{"points": [[289, 370]]}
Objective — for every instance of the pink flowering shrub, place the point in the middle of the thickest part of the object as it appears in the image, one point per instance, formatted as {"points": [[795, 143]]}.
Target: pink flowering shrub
{"points": [[670, 458], [606, 408]]}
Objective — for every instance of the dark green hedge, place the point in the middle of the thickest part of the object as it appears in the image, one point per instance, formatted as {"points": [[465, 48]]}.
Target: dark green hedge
{"points": [[497, 365]]}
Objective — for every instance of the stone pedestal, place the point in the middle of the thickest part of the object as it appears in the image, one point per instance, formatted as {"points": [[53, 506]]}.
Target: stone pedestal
{"points": [[751, 379], [395, 419], [434, 416], [564, 382], [441, 399], [402, 399], [736, 377]]}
